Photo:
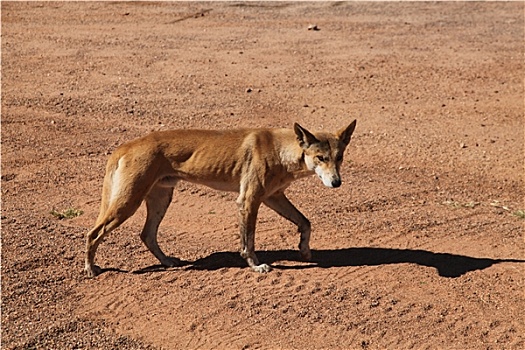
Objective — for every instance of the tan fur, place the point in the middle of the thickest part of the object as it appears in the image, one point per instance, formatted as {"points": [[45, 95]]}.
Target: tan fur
{"points": [[259, 164]]}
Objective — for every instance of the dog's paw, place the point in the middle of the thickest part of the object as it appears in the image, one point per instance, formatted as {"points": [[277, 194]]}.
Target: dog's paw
{"points": [[306, 255], [171, 262], [262, 268], [93, 271]]}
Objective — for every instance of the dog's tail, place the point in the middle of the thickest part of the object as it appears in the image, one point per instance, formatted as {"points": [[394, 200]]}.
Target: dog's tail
{"points": [[108, 187]]}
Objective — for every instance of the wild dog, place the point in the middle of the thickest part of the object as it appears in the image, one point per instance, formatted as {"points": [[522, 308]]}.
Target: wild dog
{"points": [[259, 164]]}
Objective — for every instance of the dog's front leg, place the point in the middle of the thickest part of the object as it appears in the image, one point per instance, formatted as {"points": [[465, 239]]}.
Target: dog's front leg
{"points": [[248, 208], [282, 206]]}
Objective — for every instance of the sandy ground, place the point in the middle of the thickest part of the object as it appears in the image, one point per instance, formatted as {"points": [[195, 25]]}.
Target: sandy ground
{"points": [[421, 248]]}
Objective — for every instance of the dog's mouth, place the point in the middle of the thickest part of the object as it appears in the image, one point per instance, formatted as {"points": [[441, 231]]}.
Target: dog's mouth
{"points": [[330, 183], [328, 180]]}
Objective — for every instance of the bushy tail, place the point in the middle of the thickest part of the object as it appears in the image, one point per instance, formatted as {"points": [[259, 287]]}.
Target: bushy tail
{"points": [[107, 187]]}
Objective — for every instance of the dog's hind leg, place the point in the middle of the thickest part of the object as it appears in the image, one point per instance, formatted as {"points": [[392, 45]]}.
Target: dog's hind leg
{"points": [[157, 203], [110, 221], [282, 206], [122, 194]]}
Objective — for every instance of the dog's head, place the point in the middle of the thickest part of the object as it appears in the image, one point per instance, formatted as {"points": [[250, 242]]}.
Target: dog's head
{"points": [[323, 152]]}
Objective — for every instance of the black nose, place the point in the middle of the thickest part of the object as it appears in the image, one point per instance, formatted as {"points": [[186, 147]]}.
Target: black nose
{"points": [[336, 183]]}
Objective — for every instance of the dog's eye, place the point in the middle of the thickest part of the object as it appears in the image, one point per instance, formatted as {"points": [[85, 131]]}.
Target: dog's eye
{"points": [[321, 158]]}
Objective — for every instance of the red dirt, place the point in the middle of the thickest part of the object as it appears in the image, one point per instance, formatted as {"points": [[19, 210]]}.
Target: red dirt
{"points": [[422, 246]]}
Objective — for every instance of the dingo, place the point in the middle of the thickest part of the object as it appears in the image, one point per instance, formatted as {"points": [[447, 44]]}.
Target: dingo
{"points": [[259, 164]]}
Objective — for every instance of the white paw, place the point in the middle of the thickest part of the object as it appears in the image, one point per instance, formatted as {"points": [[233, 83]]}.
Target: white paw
{"points": [[92, 271], [262, 268]]}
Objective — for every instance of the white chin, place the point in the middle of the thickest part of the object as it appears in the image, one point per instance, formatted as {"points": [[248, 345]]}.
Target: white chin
{"points": [[327, 183]]}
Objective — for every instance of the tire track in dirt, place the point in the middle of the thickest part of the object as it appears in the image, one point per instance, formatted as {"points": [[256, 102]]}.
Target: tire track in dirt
{"points": [[252, 300]]}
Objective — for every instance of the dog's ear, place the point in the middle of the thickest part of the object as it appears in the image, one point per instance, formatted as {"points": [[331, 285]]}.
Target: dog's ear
{"points": [[304, 137], [345, 134]]}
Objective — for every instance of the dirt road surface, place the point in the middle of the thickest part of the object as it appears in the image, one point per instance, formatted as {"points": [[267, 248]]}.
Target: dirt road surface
{"points": [[421, 247]]}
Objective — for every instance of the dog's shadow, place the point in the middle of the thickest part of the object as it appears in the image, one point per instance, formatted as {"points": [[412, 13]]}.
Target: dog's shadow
{"points": [[447, 265]]}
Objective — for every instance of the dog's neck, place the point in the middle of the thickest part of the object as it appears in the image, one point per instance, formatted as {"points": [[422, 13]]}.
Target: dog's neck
{"points": [[304, 171], [292, 158]]}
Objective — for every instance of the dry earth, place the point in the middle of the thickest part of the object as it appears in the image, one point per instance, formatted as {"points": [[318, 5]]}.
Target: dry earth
{"points": [[421, 248]]}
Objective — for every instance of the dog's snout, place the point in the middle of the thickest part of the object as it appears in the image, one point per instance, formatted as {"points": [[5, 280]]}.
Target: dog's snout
{"points": [[336, 183]]}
